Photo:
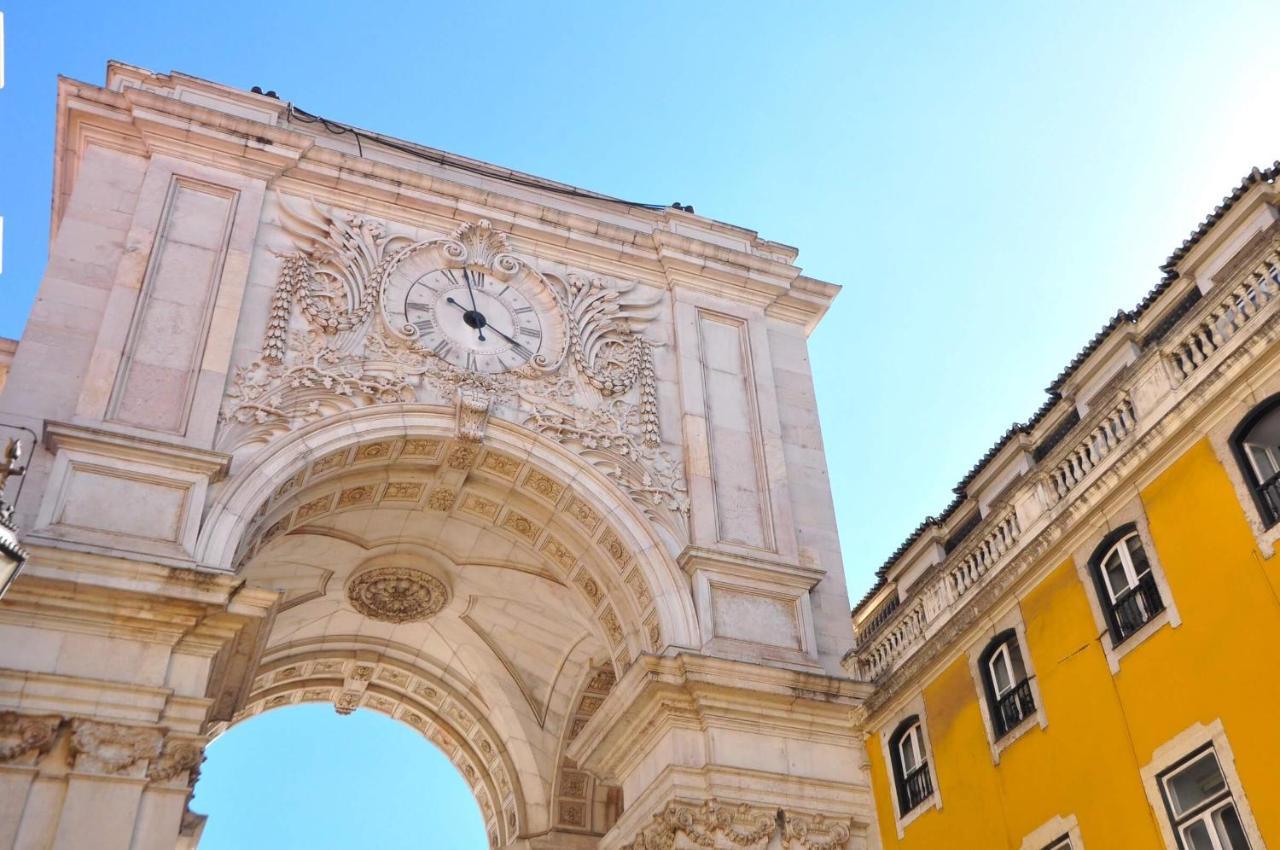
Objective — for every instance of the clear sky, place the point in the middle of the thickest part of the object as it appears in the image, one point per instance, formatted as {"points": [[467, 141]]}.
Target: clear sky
{"points": [[989, 182]]}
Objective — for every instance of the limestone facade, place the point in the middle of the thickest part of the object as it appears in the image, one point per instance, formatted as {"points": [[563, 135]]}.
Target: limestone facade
{"points": [[591, 555]]}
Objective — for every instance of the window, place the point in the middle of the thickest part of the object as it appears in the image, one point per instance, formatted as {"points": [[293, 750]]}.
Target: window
{"points": [[1063, 843], [1009, 697], [1126, 586], [1256, 443], [910, 765], [1200, 806]]}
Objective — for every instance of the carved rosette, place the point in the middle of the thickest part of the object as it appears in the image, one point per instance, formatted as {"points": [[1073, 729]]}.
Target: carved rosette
{"points": [[713, 824], [114, 749], [21, 734], [397, 594]]}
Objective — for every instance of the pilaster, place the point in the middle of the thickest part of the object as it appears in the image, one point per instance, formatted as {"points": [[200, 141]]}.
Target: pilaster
{"points": [[716, 749]]}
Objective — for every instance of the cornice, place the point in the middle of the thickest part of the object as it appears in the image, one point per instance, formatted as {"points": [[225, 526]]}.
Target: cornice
{"points": [[1174, 426], [64, 435], [691, 691], [142, 121]]}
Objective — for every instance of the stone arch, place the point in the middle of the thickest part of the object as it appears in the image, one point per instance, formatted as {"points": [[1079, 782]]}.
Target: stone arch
{"points": [[423, 700], [580, 523]]}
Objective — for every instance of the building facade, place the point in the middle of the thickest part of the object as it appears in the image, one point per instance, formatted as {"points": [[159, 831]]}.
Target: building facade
{"points": [[327, 416], [1079, 653]]}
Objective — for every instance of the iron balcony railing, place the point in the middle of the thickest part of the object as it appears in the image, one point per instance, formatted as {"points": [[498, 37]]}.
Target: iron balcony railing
{"points": [[1269, 492], [1137, 606], [916, 788], [1014, 707]]}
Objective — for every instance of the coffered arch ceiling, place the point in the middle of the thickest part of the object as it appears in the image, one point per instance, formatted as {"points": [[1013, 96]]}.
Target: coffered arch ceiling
{"points": [[580, 524], [507, 573]]}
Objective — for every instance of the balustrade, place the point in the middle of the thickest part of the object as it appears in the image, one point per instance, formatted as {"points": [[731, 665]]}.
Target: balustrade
{"points": [[1226, 317], [1014, 707], [1115, 426], [907, 629]]}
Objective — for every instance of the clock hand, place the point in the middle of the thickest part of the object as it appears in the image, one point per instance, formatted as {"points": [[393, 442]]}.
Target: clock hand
{"points": [[515, 346], [466, 275], [472, 318]]}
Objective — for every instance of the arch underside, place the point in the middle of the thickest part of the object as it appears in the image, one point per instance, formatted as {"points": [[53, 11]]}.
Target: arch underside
{"points": [[549, 589]]}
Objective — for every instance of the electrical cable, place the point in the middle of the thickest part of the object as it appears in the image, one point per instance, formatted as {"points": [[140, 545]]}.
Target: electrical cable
{"points": [[340, 129]]}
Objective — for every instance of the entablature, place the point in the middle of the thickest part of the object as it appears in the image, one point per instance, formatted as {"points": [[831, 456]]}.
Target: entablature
{"points": [[145, 113]]}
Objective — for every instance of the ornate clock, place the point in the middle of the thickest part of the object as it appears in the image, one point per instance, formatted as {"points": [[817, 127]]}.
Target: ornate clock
{"points": [[473, 306]]}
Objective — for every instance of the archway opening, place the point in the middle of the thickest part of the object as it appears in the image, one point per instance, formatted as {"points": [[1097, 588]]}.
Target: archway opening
{"points": [[303, 776]]}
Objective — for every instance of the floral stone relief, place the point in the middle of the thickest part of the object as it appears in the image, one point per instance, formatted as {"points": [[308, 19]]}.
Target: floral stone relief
{"points": [[332, 344]]}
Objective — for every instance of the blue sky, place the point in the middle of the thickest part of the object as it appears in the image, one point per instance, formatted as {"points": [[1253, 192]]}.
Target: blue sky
{"points": [[990, 182]]}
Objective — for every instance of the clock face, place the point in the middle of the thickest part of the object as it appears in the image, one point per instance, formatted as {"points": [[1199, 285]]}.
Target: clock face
{"points": [[471, 321], [471, 317]]}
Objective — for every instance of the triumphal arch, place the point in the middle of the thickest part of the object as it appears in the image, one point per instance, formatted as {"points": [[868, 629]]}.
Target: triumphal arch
{"points": [[326, 416]]}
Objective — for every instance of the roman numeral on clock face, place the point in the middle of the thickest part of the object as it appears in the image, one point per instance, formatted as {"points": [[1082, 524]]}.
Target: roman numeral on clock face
{"points": [[442, 349], [417, 305], [424, 326]]}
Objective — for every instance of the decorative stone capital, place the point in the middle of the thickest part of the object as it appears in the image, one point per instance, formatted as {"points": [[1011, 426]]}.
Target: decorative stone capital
{"points": [[21, 734], [715, 824], [180, 756], [113, 749]]}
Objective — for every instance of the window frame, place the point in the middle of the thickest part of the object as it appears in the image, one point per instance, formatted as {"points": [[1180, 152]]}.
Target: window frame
{"points": [[1003, 645], [911, 728], [1249, 472], [1203, 812], [1175, 752], [1117, 541]]}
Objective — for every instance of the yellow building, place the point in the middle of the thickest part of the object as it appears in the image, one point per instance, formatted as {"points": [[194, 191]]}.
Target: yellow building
{"points": [[1080, 652]]}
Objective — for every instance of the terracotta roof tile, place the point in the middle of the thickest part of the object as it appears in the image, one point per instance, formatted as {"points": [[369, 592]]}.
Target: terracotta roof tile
{"points": [[1122, 317]]}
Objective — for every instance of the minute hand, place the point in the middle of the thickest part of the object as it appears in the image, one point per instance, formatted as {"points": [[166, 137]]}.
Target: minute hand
{"points": [[515, 346]]}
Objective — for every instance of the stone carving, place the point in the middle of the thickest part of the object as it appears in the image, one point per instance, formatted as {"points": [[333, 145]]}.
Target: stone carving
{"points": [[397, 594], [607, 437], [802, 832], [708, 825], [178, 757], [328, 347], [23, 733], [606, 347], [473, 413], [714, 824], [113, 748]]}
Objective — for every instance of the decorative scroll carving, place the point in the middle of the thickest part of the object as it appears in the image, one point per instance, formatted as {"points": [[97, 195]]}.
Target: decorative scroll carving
{"points": [[24, 733], [802, 832], [113, 748], [707, 825], [607, 348], [714, 824], [397, 594], [606, 436], [179, 756], [334, 278], [328, 347]]}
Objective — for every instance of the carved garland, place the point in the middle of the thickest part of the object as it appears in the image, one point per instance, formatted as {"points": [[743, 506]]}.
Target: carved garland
{"points": [[713, 824], [335, 352]]}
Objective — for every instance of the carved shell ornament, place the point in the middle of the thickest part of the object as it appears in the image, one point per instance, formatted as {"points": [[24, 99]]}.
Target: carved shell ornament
{"points": [[362, 315], [397, 594]]}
